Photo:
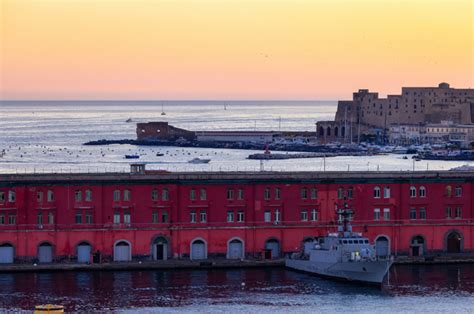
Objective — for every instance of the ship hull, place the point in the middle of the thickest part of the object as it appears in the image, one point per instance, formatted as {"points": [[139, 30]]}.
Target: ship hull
{"points": [[370, 272]]}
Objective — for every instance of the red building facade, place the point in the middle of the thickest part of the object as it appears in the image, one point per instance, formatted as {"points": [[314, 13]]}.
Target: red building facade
{"points": [[142, 216]]}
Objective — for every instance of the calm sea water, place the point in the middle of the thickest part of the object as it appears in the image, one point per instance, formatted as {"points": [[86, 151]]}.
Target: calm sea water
{"points": [[410, 289], [47, 136]]}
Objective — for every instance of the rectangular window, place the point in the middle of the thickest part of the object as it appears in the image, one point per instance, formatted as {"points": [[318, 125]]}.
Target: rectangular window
{"points": [[50, 218], [350, 192], [154, 195], [377, 214], [277, 215], [192, 217], [423, 213], [277, 194], [377, 192], [39, 197], [116, 195], [89, 219], [39, 219], [240, 194], [448, 212], [164, 216], [11, 219], [11, 196], [386, 192], [78, 217], [314, 215], [127, 195], [266, 194], [413, 213], [165, 195], [304, 215], [2, 196], [340, 193], [154, 217], [203, 216], [203, 194], [458, 212], [314, 193], [50, 196], [386, 214], [127, 218], [267, 216], [116, 218], [458, 191], [88, 196], [240, 216], [2, 219], [77, 196], [230, 194], [304, 193], [230, 216], [192, 194]]}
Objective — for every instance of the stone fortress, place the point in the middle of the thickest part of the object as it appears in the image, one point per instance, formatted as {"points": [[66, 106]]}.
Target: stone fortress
{"points": [[367, 114]]}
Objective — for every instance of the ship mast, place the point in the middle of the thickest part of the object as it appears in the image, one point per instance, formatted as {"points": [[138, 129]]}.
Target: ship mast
{"points": [[345, 216]]}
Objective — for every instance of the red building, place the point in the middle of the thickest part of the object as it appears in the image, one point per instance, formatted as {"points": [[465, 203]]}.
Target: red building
{"points": [[151, 215]]}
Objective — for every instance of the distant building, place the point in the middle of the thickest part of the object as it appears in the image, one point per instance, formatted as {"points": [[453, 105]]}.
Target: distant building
{"points": [[236, 136], [153, 131], [415, 105], [433, 133]]}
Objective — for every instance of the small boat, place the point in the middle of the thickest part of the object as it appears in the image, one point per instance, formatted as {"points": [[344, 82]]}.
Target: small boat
{"points": [[159, 154], [163, 113], [199, 161], [129, 120], [132, 156]]}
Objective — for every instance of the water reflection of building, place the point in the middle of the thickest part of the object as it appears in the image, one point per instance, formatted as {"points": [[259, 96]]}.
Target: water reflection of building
{"points": [[159, 216]]}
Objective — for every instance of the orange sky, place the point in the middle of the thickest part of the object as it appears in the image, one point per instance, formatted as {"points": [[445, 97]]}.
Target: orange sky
{"points": [[144, 49]]}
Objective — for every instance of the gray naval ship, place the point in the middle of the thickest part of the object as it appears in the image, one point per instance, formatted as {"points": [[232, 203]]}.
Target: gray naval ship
{"points": [[343, 255]]}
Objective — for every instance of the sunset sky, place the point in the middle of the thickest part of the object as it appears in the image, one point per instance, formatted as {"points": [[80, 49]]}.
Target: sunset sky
{"points": [[144, 49]]}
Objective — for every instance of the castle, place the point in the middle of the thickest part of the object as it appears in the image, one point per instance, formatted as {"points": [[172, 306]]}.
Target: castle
{"points": [[366, 113]]}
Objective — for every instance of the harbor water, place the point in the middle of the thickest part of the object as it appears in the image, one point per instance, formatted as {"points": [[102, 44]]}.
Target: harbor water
{"points": [[47, 136], [409, 289]]}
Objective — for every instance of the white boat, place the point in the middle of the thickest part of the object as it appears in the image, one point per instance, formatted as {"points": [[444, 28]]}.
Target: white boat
{"points": [[199, 161]]}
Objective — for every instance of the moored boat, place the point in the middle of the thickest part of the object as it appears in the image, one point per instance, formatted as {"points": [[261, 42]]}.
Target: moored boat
{"points": [[343, 255]]}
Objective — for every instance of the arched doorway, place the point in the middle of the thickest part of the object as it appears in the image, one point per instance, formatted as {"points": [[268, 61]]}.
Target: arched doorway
{"points": [[84, 250], [336, 131], [122, 251], [160, 249], [382, 246], [198, 249], [417, 246], [272, 247], [7, 253], [45, 253], [321, 131], [235, 248], [328, 131], [453, 242]]}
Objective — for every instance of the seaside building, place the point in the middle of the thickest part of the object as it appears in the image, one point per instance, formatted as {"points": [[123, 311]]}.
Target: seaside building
{"points": [[367, 114], [146, 215]]}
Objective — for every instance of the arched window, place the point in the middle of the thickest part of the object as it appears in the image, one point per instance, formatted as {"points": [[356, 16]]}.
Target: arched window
{"points": [[127, 195], [422, 191], [377, 192], [336, 131], [412, 191], [340, 193], [386, 192], [117, 195], [328, 131], [165, 194], [266, 194]]}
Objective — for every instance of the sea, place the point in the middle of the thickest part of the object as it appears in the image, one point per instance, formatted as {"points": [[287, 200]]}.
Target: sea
{"points": [[48, 136], [407, 289]]}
